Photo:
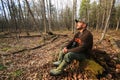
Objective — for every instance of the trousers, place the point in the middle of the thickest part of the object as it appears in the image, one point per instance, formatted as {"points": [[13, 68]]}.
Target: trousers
{"points": [[70, 56]]}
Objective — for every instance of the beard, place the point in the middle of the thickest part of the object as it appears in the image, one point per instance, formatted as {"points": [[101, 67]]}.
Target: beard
{"points": [[79, 28]]}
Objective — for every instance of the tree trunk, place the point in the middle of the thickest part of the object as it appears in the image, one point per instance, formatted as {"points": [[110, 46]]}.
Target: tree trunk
{"points": [[44, 16], [29, 10], [49, 14], [5, 13], [103, 20], [107, 20], [10, 11], [118, 23], [11, 6], [97, 25], [74, 15], [15, 17], [35, 10], [22, 17]]}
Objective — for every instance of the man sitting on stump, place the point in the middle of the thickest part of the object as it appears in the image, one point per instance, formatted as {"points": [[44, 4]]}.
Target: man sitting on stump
{"points": [[78, 48]]}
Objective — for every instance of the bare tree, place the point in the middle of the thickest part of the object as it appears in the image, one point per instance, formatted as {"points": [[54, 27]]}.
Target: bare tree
{"points": [[5, 12], [30, 15], [22, 18], [118, 23], [49, 14], [74, 15], [13, 12], [44, 15], [30, 11], [117, 17], [107, 20]]}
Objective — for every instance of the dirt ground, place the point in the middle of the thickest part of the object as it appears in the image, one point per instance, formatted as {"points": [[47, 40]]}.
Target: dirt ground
{"points": [[35, 64]]}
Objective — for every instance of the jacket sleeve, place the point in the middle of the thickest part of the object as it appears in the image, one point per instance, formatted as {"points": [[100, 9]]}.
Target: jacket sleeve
{"points": [[70, 43], [86, 41]]}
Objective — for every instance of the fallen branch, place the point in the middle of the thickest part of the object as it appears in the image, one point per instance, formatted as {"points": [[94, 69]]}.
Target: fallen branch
{"points": [[114, 44], [21, 36], [30, 36], [27, 49], [51, 33], [53, 39]]}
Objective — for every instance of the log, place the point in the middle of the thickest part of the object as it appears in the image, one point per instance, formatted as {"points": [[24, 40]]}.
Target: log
{"points": [[33, 48], [30, 36], [114, 44], [27, 49]]}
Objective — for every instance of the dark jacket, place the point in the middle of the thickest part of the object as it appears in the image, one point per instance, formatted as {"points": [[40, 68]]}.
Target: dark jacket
{"points": [[82, 42]]}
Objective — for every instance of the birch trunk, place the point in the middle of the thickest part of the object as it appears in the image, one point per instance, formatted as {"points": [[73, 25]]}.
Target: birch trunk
{"points": [[107, 20]]}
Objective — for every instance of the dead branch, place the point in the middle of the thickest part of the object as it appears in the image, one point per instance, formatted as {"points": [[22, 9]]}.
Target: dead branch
{"points": [[21, 36], [27, 49]]}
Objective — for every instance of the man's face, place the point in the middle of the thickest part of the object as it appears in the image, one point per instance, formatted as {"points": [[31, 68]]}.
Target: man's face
{"points": [[84, 25], [79, 25]]}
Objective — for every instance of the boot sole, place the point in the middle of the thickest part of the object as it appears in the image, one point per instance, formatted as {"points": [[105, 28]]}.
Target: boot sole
{"points": [[51, 74], [55, 65]]}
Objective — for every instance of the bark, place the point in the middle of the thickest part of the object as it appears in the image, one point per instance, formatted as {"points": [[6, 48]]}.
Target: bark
{"points": [[103, 20], [44, 15], [118, 24], [74, 15], [49, 14], [97, 25]]}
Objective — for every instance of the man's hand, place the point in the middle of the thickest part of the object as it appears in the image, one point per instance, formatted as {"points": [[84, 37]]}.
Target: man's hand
{"points": [[65, 50]]}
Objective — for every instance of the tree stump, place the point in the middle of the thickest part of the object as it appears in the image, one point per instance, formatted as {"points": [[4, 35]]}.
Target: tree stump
{"points": [[89, 68], [99, 65]]}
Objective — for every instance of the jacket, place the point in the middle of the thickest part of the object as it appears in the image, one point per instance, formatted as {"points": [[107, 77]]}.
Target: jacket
{"points": [[81, 42]]}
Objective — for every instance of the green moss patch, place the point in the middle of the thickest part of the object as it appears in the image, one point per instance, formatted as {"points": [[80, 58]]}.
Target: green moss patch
{"points": [[17, 73]]}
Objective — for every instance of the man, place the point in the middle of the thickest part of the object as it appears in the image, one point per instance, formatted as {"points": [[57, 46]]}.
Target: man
{"points": [[78, 48]]}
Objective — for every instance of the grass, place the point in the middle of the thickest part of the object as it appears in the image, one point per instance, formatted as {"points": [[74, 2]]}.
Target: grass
{"points": [[5, 49]]}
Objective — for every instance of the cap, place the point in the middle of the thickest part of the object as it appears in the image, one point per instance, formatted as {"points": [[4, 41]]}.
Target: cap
{"points": [[80, 20]]}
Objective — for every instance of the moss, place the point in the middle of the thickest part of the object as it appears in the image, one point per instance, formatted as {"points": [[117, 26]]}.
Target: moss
{"points": [[40, 41], [2, 67], [5, 49], [88, 65], [17, 73], [93, 67], [88, 68]]}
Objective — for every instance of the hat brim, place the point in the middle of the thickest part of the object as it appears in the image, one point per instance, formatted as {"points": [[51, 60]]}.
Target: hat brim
{"points": [[76, 20]]}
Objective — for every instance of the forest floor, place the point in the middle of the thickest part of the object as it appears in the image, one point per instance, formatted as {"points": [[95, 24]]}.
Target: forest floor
{"points": [[19, 59]]}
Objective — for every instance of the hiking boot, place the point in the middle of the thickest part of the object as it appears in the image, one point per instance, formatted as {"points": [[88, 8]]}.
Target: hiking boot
{"points": [[60, 58], [57, 63], [59, 70], [56, 72]]}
